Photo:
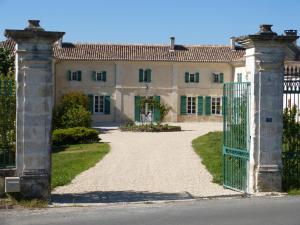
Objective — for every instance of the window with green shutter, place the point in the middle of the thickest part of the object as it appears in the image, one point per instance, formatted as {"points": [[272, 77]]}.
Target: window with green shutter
{"points": [[156, 110], [99, 76], [197, 75], [186, 77], [137, 108], [183, 105], [221, 78], [207, 105], [74, 75], [106, 104], [79, 75], [200, 105], [91, 103], [141, 75]]}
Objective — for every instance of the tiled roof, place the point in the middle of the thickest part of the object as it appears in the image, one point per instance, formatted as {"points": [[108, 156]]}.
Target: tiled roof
{"points": [[128, 52], [8, 44]]}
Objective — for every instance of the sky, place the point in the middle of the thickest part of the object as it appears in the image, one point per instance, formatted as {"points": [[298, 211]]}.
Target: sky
{"points": [[151, 21]]}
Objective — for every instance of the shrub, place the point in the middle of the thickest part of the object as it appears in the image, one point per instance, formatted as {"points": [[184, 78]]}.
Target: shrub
{"points": [[75, 117], [76, 135], [72, 111]]}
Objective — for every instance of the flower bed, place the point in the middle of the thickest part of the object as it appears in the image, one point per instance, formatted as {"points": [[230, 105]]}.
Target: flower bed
{"points": [[149, 128]]}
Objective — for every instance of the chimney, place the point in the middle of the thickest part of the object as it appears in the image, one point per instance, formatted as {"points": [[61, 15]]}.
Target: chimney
{"points": [[291, 33], [172, 43], [232, 43]]}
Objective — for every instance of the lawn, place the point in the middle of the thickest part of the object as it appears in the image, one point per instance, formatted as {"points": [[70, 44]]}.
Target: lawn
{"points": [[209, 148], [67, 162]]}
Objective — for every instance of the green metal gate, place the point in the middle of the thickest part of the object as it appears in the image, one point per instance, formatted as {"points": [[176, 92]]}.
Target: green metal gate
{"points": [[236, 101]]}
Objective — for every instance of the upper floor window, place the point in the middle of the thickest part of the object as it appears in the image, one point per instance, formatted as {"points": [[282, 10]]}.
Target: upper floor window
{"points": [[191, 77], [218, 77], [144, 75], [99, 76], [74, 75]]}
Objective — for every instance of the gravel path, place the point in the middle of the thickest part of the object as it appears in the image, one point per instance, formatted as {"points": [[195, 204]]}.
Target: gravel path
{"points": [[150, 162]]}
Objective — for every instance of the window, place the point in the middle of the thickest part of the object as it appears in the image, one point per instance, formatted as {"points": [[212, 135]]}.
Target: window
{"points": [[216, 106], [218, 77], [74, 75], [144, 76], [99, 104], [99, 76], [191, 105], [191, 77], [239, 77]]}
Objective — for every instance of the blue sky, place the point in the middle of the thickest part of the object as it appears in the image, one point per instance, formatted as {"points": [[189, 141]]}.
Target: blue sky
{"points": [[151, 21]]}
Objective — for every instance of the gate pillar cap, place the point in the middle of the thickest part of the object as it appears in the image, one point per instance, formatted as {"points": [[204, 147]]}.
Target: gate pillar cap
{"points": [[265, 33], [33, 31]]}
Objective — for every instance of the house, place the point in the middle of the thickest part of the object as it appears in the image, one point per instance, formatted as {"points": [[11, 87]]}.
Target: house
{"points": [[116, 77]]}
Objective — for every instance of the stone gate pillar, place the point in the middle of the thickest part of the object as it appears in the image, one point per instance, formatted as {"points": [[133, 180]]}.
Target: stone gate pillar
{"points": [[34, 92], [265, 54]]}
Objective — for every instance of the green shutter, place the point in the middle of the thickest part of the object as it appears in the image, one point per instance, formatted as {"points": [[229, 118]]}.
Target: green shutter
{"points": [[197, 77], [221, 78], [186, 77], [137, 108], [104, 76], [224, 102], [79, 75], [141, 75], [182, 105], [106, 104], [91, 103], [156, 110], [94, 75], [207, 105], [148, 76], [69, 75], [200, 105]]}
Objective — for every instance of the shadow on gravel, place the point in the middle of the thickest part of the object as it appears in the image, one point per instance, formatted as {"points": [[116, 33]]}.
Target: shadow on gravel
{"points": [[117, 196]]}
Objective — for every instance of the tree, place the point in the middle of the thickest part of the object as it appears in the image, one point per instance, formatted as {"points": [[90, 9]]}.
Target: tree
{"points": [[6, 62]]}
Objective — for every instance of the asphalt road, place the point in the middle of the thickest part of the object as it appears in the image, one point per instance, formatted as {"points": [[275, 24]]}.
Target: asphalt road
{"points": [[249, 211]]}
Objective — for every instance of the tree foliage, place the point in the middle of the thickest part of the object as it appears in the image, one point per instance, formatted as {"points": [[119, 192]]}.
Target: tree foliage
{"points": [[6, 62], [291, 129], [72, 111]]}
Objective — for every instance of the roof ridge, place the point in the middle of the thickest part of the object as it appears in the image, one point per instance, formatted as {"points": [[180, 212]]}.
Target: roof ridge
{"points": [[146, 44]]}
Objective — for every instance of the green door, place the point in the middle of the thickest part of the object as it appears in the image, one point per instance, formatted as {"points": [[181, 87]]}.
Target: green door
{"points": [[236, 103]]}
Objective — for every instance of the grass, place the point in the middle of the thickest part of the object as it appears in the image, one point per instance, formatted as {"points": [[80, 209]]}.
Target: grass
{"points": [[67, 162], [10, 201], [294, 192], [209, 148]]}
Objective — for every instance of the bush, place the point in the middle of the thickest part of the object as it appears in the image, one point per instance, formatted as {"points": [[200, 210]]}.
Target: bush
{"points": [[72, 111], [76, 135], [75, 117], [149, 128]]}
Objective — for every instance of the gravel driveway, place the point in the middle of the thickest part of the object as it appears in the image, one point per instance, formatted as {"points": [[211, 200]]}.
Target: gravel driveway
{"points": [[150, 162]]}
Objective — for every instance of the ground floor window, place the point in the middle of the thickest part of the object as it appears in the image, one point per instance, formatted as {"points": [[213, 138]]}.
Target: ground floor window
{"points": [[191, 105], [99, 104], [216, 105]]}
